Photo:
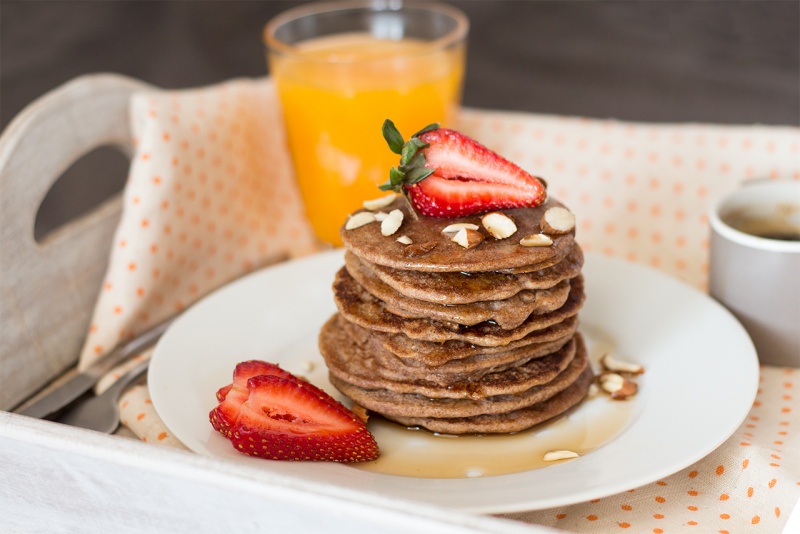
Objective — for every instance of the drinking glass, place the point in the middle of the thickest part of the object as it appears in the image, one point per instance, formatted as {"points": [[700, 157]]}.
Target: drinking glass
{"points": [[341, 69]]}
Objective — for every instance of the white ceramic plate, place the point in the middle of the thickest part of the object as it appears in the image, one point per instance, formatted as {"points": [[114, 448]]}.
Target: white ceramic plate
{"points": [[701, 379]]}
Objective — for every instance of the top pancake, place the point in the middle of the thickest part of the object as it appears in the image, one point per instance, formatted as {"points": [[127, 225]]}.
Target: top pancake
{"points": [[368, 243], [465, 288]]}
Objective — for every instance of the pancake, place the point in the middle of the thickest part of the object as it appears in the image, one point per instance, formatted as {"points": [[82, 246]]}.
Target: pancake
{"points": [[508, 313], [358, 306], [465, 368], [464, 288], [514, 421], [393, 404], [355, 361], [455, 369], [419, 352], [368, 243]]}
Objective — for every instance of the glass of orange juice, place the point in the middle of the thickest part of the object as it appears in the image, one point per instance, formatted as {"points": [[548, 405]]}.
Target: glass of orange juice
{"points": [[341, 69]]}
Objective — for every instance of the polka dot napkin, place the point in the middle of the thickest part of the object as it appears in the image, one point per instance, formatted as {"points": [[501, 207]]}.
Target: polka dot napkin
{"points": [[210, 196]]}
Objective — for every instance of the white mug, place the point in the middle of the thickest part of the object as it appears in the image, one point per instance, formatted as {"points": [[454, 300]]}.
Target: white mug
{"points": [[755, 265]]}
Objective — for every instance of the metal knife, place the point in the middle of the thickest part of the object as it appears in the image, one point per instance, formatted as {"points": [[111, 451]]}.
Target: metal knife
{"points": [[66, 393]]}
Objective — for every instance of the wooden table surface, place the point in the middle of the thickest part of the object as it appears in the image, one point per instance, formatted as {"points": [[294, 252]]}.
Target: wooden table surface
{"points": [[669, 61]]}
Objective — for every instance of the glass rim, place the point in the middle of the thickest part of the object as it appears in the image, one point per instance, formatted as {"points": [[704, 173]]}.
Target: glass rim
{"points": [[274, 45]]}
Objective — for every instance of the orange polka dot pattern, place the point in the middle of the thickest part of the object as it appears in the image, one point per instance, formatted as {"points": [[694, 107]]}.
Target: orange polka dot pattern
{"points": [[138, 415], [109, 378], [210, 196], [640, 191], [752, 479]]}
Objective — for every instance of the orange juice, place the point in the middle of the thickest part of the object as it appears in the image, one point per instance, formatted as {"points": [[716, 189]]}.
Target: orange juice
{"points": [[336, 92]]}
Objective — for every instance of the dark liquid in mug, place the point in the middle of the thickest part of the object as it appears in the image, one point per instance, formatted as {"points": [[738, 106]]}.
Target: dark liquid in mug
{"points": [[781, 236], [778, 223]]}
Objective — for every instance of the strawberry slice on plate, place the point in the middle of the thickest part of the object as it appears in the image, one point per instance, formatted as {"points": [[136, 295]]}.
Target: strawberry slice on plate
{"points": [[270, 413], [233, 395], [285, 420], [443, 173]]}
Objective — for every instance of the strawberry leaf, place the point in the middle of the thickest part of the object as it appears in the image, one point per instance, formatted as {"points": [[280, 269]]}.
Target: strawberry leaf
{"points": [[410, 150], [417, 174], [392, 136], [417, 161], [413, 163], [396, 176], [395, 181], [428, 128]]}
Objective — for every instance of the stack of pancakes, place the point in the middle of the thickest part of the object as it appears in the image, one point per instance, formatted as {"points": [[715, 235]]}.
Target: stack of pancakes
{"points": [[456, 340]]}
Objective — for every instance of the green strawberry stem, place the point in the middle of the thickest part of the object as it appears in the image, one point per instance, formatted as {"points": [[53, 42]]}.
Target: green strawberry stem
{"points": [[410, 206], [412, 168]]}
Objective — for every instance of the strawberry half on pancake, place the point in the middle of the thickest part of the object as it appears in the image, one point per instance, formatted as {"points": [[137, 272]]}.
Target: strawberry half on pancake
{"points": [[444, 173]]}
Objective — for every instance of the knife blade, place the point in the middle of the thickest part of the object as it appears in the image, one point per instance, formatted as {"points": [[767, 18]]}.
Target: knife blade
{"points": [[76, 386]]}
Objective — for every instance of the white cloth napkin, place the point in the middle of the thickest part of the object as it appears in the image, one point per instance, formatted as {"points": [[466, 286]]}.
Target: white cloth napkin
{"points": [[210, 196]]}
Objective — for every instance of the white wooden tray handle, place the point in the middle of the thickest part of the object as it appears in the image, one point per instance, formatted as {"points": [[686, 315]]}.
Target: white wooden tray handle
{"points": [[48, 289]]}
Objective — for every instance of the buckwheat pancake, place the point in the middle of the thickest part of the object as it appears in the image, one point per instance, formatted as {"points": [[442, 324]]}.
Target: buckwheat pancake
{"points": [[362, 361], [504, 423], [464, 288], [466, 368], [419, 352], [393, 404], [358, 306], [508, 313], [368, 243], [455, 369]]}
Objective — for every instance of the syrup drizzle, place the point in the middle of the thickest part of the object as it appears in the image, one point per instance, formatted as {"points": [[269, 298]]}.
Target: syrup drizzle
{"points": [[419, 453]]}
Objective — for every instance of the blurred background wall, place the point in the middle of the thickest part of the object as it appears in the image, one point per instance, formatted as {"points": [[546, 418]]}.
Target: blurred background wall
{"points": [[735, 62]]}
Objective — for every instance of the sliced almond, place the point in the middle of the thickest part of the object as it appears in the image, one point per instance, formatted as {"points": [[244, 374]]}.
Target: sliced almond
{"points": [[552, 456], [557, 220], [468, 238], [419, 249], [593, 391], [378, 203], [611, 382], [617, 386], [391, 223], [612, 364], [380, 216], [629, 389], [499, 225], [360, 412], [536, 240], [455, 228], [359, 219], [404, 239]]}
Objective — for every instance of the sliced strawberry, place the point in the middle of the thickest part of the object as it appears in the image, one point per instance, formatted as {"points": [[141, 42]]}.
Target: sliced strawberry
{"points": [[269, 412], [470, 178], [444, 173], [223, 392], [439, 197], [287, 419], [233, 395]]}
